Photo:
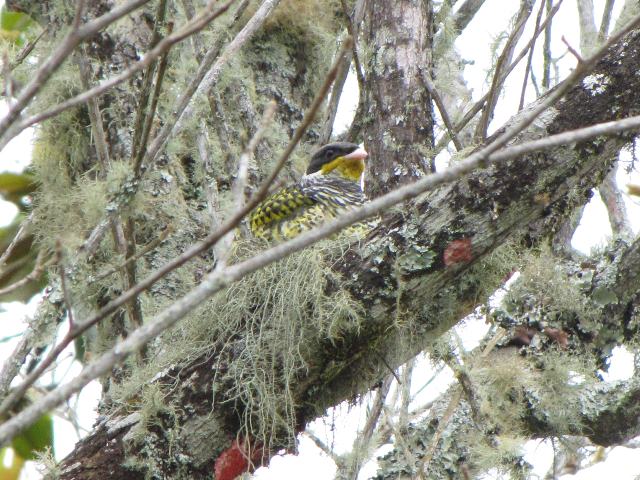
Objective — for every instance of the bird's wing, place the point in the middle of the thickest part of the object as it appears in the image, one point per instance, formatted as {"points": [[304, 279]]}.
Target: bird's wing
{"points": [[297, 208], [286, 203]]}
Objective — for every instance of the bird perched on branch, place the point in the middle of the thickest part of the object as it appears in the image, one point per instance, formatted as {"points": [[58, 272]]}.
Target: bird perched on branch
{"points": [[330, 186]]}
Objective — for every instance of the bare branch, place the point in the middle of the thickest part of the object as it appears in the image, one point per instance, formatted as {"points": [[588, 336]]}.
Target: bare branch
{"points": [[441, 108], [188, 29], [363, 440], [612, 198], [34, 275], [503, 62], [243, 164], [606, 21], [44, 72], [16, 239], [465, 14], [480, 103], [527, 69]]}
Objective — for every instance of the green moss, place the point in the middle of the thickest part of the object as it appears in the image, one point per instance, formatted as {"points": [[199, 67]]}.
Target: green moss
{"points": [[263, 324]]}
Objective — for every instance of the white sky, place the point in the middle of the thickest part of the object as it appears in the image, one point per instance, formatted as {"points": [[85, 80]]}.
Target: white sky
{"points": [[339, 427]]}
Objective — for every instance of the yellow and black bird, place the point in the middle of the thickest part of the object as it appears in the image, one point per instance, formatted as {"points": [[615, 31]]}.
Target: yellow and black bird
{"points": [[330, 186]]}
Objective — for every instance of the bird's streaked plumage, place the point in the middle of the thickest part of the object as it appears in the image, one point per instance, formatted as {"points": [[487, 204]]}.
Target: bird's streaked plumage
{"points": [[330, 187]]}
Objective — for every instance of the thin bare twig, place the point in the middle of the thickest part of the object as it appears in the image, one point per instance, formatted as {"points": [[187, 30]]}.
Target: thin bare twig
{"points": [[51, 65], [37, 271], [240, 183], [501, 65], [363, 440], [26, 51], [423, 464], [441, 108], [188, 29], [12, 365], [352, 29], [140, 253], [16, 239], [146, 115], [573, 51], [527, 69], [471, 113], [334, 101], [606, 21], [614, 202]]}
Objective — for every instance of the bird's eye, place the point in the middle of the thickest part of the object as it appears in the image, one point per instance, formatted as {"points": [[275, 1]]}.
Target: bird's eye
{"points": [[330, 153]]}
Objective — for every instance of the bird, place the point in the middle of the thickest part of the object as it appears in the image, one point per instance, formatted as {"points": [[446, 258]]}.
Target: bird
{"points": [[330, 186]]}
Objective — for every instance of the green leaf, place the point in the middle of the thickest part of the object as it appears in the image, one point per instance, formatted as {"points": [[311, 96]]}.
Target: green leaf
{"points": [[14, 186], [37, 438], [15, 26]]}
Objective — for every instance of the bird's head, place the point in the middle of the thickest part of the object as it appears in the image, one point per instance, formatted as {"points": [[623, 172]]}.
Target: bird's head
{"points": [[341, 158]]}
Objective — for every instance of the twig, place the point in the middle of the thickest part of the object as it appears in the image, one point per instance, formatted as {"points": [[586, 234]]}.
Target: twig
{"points": [[240, 183], [63, 283], [606, 21], [141, 253], [423, 465], [546, 49], [498, 79], [133, 306], [102, 147], [405, 396], [527, 69], [16, 239], [24, 53], [441, 108], [12, 365], [480, 103], [334, 101], [49, 66], [363, 439], [34, 275], [188, 29], [573, 51], [324, 447], [465, 14], [614, 202], [221, 278], [145, 116]]}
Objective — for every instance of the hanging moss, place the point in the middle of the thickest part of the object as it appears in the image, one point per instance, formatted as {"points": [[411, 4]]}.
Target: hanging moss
{"points": [[259, 327]]}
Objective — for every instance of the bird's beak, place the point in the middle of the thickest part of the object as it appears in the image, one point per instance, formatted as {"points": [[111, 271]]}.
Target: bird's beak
{"points": [[358, 154]]}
